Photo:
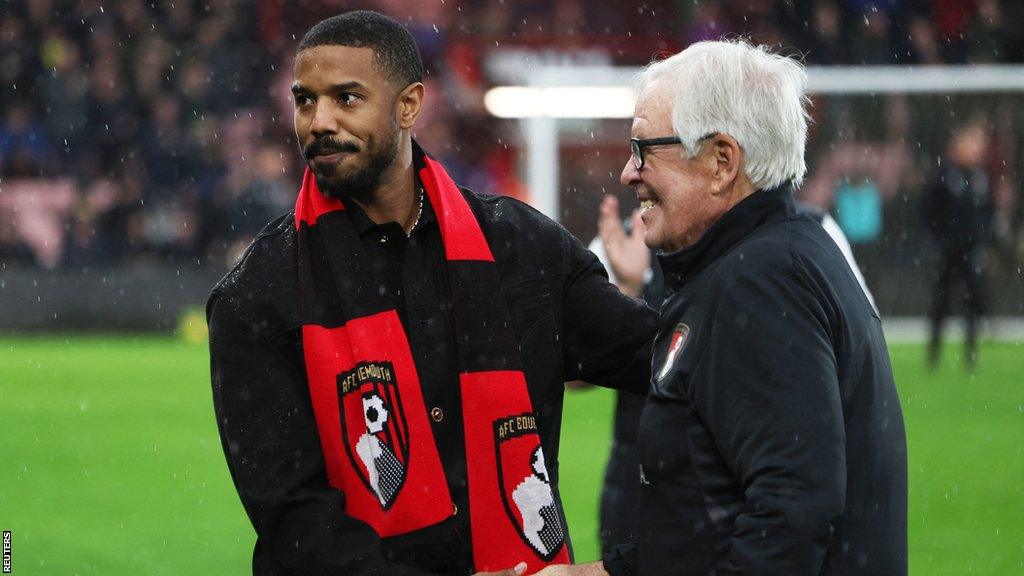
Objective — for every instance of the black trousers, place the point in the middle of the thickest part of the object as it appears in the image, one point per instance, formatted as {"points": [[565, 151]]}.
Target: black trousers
{"points": [[620, 497], [967, 265]]}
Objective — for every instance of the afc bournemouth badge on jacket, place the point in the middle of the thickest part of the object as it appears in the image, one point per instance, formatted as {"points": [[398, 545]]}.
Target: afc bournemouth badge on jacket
{"points": [[675, 348], [525, 486], [377, 443]]}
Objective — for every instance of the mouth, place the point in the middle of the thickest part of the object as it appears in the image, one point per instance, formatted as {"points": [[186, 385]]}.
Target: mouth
{"points": [[330, 158], [327, 151], [647, 201]]}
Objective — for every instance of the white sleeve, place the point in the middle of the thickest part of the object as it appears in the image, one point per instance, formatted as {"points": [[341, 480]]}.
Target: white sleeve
{"points": [[597, 247], [833, 229]]}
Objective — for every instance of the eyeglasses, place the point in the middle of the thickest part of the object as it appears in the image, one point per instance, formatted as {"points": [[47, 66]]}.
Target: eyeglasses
{"points": [[637, 146]]}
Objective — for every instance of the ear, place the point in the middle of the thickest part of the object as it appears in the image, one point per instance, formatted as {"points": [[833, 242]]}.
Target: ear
{"points": [[726, 158], [409, 104]]}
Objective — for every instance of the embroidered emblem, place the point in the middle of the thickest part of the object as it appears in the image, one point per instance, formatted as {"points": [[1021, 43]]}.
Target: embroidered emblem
{"points": [[378, 446], [675, 347], [525, 485]]}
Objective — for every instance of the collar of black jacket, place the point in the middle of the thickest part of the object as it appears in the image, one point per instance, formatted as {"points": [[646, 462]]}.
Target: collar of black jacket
{"points": [[753, 211]]}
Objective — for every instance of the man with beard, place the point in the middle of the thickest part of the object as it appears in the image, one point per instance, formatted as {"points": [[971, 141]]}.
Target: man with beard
{"points": [[394, 304], [772, 439]]}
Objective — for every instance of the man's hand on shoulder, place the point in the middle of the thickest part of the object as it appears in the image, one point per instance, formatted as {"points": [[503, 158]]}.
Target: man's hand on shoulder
{"points": [[591, 569]]}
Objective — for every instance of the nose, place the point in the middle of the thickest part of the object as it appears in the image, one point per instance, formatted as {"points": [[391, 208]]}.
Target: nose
{"points": [[630, 175], [324, 121]]}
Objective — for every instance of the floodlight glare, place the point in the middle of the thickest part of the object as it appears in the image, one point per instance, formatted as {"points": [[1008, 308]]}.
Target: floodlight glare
{"points": [[560, 102]]}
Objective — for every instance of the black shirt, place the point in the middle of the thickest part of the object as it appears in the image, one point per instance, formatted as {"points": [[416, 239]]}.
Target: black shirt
{"points": [[772, 441], [570, 323]]}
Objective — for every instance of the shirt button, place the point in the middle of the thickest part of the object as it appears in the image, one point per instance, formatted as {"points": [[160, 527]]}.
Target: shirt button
{"points": [[437, 414], [455, 509], [383, 240]]}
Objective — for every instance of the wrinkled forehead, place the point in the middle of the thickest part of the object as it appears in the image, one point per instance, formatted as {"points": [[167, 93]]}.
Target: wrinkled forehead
{"points": [[653, 114]]}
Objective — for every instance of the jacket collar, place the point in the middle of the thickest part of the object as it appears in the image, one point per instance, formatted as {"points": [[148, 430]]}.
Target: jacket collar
{"points": [[753, 211], [364, 224]]}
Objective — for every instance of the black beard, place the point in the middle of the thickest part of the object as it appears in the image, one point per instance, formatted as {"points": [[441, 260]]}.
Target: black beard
{"points": [[359, 185]]}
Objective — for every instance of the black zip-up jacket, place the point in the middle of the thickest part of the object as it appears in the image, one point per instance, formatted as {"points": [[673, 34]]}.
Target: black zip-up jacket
{"points": [[772, 441], [570, 323]]}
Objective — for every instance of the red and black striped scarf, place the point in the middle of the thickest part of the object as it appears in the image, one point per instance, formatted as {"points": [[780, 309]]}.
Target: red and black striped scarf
{"points": [[374, 427]]}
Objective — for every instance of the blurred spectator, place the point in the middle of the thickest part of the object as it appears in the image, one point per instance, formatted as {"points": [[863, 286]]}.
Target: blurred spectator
{"points": [[987, 35], [958, 211], [256, 197], [64, 93], [24, 147], [825, 44], [17, 68], [113, 122], [164, 147]]}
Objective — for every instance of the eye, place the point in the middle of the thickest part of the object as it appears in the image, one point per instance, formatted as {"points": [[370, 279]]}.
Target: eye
{"points": [[302, 100], [348, 98]]}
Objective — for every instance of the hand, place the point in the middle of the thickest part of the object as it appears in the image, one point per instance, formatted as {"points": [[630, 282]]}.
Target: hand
{"points": [[591, 569], [627, 254], [516, 571]]}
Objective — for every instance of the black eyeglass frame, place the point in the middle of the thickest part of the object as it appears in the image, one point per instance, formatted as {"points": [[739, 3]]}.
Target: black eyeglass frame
{"points": [[636, 146]]}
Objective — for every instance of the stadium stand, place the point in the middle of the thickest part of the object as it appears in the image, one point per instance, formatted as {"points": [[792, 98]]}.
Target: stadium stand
{"points": [[159, 133]]}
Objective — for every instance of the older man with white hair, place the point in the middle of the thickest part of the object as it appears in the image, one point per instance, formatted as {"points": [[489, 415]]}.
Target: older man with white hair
{"points": [[772, 441]]}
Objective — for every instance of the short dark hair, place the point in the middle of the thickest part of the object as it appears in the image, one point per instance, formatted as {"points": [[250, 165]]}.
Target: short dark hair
{"points": [[395, 53]]}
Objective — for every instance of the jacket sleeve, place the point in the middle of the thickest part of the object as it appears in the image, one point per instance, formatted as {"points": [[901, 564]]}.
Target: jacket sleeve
{"points": [[607, 335], [273, 452], [621, 560], [767, 389]]}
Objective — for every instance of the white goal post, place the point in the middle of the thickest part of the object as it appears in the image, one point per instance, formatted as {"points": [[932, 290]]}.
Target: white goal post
{"points": [[548, 94]]}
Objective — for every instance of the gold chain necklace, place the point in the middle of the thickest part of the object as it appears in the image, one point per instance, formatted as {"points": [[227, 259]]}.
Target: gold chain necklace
{"points": [[418, 215]]}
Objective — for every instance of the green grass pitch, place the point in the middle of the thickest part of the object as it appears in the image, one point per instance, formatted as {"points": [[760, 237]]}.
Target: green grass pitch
{"points": [[110, 462]]}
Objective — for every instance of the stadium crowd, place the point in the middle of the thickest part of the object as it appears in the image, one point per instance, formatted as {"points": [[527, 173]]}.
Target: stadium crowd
{"points": [[162, 131]]}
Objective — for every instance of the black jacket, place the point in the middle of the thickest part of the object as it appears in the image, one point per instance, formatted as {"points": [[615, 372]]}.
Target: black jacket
{"points": [[959, 209], [570, 323], [772, 441]]}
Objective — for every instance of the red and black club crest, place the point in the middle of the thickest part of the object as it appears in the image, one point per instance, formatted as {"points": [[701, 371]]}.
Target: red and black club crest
{"points": [[525, 486], [675, 348], [374, 429]]}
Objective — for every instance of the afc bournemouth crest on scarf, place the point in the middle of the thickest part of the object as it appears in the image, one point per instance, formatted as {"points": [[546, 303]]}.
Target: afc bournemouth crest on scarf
{"points": [[525, 486], [377, 443]]}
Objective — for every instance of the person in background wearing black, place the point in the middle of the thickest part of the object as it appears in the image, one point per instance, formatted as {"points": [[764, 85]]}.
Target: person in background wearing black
{"points": [[958, 212], [772, 439], [388, 361]]}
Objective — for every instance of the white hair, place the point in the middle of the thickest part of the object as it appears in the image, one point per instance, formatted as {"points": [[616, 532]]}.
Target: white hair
{"points": [[755, 96]]}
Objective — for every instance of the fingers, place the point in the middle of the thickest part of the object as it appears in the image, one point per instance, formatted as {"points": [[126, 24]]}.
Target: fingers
{"points": [[518, 570], [610, 203], [638, 223], [609, 225]]}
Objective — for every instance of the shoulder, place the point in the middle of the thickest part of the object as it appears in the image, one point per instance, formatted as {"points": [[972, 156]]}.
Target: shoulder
{"points": [[266, 249], [526, 244], [263, 282], [507, 214], [781, 250]]}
